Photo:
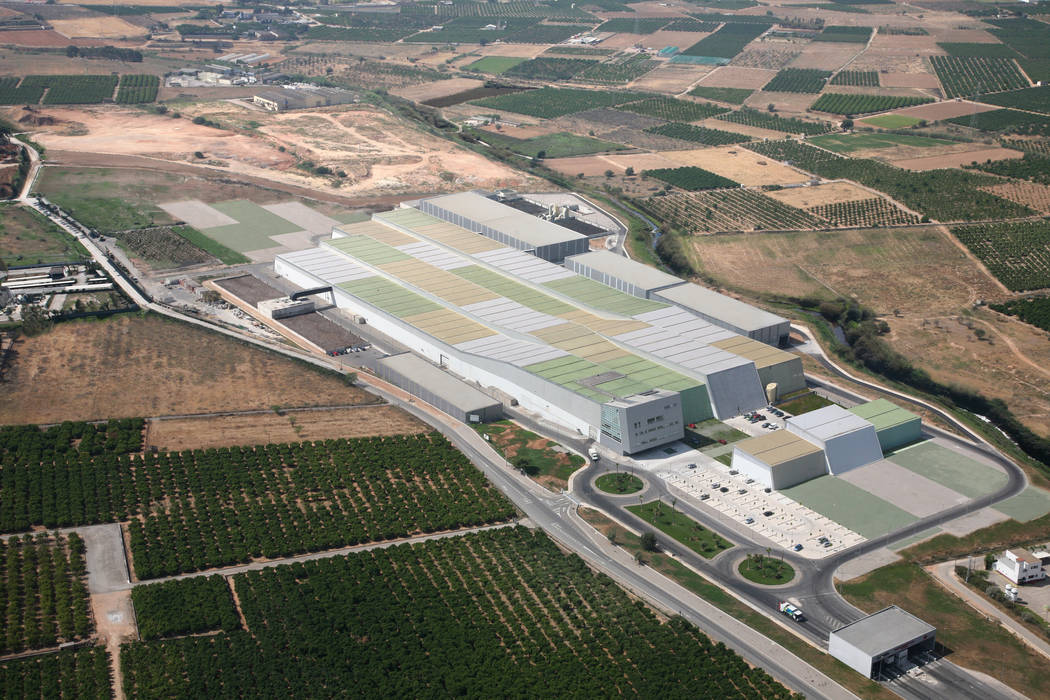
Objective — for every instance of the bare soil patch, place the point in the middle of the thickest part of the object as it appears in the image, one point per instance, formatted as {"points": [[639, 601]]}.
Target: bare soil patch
{"points": [[826, 55], [436, 89], [597, 165], [790, 102], [98, 28], [293, 426], [954, 160], [131, 366], [976, 36], [944, 110], [671, 78], [46, 38], [901, 43], [830, 193], [522, 50], [910, 80], [737, 163], [1029, 194], [950, 351], [768, 56], [891, 61], [738, 77], [757, 132]]}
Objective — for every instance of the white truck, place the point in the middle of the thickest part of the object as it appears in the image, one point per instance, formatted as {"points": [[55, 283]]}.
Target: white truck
{"points": [[791, 611]]}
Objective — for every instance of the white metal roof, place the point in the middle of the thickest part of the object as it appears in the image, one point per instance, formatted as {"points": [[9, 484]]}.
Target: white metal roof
{"points": [[621, 268], [326, 264], [512, 315], [517, 224], [524, 265], [435, 255], [687, 353], [710, 303], [829, 422], [681, 322], [506, 349], [885, 630]]}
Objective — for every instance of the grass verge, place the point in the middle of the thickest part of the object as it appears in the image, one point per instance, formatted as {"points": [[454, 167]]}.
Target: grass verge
{"points": [[682, 528], [544, 460], [804, 404]]}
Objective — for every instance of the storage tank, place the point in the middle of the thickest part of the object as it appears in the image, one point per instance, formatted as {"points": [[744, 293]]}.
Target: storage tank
{"points": [[771, 392]]}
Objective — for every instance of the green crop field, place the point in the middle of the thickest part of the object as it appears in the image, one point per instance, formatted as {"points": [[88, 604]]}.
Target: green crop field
{"points": [[137, 88], [733, 96], [551, 145], [969, 76], [1007, 121], [728, 210], [674, 110], [618, 71], [318, 496], [350, 622], [798, 80], [27, 237], [12, 94], [848, 143], [550, 103], [864, 213], [849, 35], [698, 134], [727, 42], [1032, 167], [836, 103], [946, 195], [73, 89], [545, 68], [1018, 254], [1034, 99], [765, 120], [858, 78], [691, 178], [978, 50], [494, 64], [892, 121], [81, 674], [1033, 310]]}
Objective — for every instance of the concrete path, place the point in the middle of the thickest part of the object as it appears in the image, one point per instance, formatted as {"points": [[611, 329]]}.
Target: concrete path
{"points": [[944, 574]]}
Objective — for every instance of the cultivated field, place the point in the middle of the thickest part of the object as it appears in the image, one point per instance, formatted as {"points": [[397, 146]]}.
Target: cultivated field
{"points": [[289, 426], [132, 366], [955, 160], [830, 193]]}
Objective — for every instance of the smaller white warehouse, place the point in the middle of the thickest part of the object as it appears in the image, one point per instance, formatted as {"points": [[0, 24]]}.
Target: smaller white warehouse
{"points": [[848, 440], [476, 212], [778, 460], [616, 271], [729, 313], [895, 426], [881, 639], [439, 388]]}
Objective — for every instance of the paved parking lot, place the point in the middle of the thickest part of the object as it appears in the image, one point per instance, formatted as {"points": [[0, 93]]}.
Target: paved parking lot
{"points": [[791, 523]]}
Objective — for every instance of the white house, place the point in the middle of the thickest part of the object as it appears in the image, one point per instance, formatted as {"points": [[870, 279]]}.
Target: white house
{"points": [[1020, 566]]}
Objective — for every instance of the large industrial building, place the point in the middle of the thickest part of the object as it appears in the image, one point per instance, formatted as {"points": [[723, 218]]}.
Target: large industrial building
{"points": [[888, 637], [469, 284], [829, 440]]}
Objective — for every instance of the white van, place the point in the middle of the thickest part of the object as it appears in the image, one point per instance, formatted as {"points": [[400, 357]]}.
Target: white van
{"points": [[593, 452]]}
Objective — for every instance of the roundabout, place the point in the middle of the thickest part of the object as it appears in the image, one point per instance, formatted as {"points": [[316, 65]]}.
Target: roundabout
{"points": [[619, 483]]}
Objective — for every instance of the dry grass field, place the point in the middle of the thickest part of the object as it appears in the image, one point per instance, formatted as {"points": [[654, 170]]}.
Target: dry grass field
{"points": [[1029, 194], [955, 160], [131, 366], [98, 28], [806, 197], [927, 81], [739, 164], [826, 55], [289, 426], [671, 78], [738, 77]]}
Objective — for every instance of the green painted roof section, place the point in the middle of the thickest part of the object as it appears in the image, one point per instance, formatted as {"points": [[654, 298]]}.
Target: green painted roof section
{"points": [[640, 375], [367, 249], [389, 296], [407, 217], [599, 296], [515, 291], [883, 414]]}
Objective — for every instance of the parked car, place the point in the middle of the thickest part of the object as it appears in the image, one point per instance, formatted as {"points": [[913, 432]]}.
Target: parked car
{"points": [[768, 513], [797, 548], [748, 520]]}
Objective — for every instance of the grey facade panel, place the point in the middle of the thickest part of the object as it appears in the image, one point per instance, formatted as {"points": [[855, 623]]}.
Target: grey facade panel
{"points": [[879, 638], [642, 422], [438, 388]]}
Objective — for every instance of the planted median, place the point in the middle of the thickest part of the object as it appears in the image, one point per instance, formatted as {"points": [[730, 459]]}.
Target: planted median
{"points": [[682, 528]]}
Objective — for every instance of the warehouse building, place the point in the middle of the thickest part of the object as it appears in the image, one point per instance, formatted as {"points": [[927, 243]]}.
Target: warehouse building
{"points": [[439, 388], [616, 271], [729, 313], [625, 371], [848, 440], [476, 212], [778, 460], [886, 638], [894, 426]]}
